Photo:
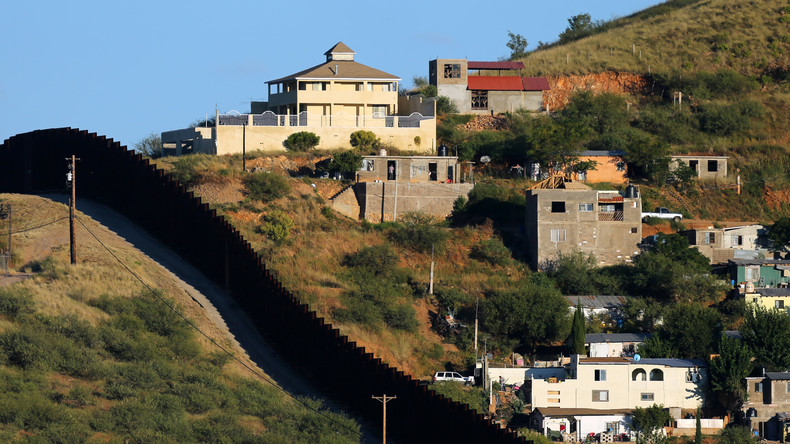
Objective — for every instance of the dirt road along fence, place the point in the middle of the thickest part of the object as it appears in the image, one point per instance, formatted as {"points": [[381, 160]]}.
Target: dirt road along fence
{"points": [[110, 173]]}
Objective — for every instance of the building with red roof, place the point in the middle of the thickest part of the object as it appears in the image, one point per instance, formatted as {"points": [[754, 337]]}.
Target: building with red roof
{"points": [[487, 87]]}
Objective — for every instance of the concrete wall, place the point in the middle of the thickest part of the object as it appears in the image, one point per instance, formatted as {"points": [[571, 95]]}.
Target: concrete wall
{"points": [[414, 169], [188, 140], [606, 170], [459, 94], [271, 138], [509, 101], [520, 375], [430, 198], [611, 241], [416, 104]]}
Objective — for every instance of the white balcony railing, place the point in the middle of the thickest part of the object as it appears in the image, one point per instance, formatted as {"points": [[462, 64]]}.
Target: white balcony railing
{"points": [[269, 118]]}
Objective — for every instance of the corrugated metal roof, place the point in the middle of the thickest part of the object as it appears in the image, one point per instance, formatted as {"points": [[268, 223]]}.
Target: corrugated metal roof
{"points": [[560, 411], [535, 84], [777, 375], [495, 65], [495, 83], [672, 362], [615, 337], [602, 153], [597, 301], [759, 262], [774, 292]]}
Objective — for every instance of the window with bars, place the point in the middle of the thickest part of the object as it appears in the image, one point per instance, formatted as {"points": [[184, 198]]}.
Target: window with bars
{"points": [[479, 99], [452, 71]]}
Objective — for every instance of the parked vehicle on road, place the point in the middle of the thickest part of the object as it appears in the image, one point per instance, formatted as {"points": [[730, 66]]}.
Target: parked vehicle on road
{"points": [[662, 213], [453, 376]]}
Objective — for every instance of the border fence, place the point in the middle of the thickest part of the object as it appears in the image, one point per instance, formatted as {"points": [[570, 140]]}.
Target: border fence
{"points": [[121, 179]]}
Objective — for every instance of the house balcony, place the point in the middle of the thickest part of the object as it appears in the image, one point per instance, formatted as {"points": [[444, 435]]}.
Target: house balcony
{"points": [[610, 216]]}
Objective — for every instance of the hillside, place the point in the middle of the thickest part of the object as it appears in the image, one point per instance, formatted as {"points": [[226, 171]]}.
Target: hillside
{"points": [[679, 36], [89, 352]]}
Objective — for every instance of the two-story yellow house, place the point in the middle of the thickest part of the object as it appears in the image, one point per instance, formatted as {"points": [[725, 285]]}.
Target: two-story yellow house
{"points": [[332, 100]]}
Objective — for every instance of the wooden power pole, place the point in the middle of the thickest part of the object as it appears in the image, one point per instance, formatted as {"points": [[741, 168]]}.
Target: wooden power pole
{"points": [[71, 178], [384, 399]]}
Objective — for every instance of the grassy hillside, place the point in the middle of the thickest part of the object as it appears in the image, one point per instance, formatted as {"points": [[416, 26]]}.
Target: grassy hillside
{"points": [[679, 36], [89, 353]]}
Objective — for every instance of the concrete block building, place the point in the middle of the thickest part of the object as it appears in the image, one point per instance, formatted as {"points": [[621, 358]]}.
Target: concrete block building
{"points": [[567, 215], [707, 167], [332, 99], [767, 408], [722, 244], [487, 87]]}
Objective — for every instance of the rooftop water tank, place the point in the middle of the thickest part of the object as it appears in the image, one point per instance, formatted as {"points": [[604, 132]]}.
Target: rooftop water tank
{"points": [[631, 192]]}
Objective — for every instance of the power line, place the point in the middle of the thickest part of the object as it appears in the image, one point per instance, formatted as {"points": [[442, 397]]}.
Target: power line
{"points": [[223, 349], [39, 226]]}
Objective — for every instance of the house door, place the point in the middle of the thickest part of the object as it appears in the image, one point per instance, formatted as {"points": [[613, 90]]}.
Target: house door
{"points": [[450, 176], [432, 171], [694, 165], [392, 168]]}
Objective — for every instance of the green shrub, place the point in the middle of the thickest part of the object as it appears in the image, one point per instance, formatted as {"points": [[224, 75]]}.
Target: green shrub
{"points": [[266, 187], [417, 232], [363, 312], [346, 163], [302, 141], [378, 259], [22, 348], [364, 141], [15, 301], [492, 251], [451, 298], [725, 120], [47, 267], [277, 226], [401, 316]]}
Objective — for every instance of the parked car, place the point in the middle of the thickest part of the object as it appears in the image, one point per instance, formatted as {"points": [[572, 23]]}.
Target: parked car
{"points": [[662, 213], [453, 376]]}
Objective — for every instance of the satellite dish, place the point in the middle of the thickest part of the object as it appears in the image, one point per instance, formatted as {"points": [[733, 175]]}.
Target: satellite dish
{"points": [[485, 159], [637, 357]]}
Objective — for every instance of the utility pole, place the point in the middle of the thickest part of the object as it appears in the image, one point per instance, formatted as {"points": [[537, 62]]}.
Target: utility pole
{"points": [[477, 302], [383, 400], [5, 213], [430, 285], [71, 179], [244, 146]]}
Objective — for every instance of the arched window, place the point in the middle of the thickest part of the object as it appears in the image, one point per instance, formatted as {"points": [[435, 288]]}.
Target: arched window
{"points": [[639, 375], [656, 375]]}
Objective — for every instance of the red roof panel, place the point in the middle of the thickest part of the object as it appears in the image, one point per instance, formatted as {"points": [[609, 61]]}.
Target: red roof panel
{"points": [[535, 84], [496, 65], [495, 83]]}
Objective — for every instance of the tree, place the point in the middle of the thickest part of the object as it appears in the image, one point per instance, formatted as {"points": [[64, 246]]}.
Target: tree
{"points": [[649, 421], [728, 372], [698, 433], [346, 163], [779, 234], [445, 105], [150, 145], [302, 141], [527, 316], [364, 141], [655, 347], [767, 333], [579, 26], [578, 331], [735, 435], [692, 329], [517, 45]]}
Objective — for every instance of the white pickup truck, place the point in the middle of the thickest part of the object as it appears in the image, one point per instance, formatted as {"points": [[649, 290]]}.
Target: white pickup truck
{"points": [[662, 213]]}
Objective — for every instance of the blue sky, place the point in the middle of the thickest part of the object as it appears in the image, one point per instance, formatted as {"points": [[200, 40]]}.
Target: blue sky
{"points": [[128, 69]]}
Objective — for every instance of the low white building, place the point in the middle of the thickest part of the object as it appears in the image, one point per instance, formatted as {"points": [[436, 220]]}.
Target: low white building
{"points": [[624, 383], [604, 345], [579, 423]]}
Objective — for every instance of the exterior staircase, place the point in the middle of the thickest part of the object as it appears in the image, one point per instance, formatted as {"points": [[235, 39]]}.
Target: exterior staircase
{"points": [[345, 202]]}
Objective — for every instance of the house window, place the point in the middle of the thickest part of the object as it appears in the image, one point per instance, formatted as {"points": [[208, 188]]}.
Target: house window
{"points": [[452, 71], [656, 375], [369, 86], [608, 208], [558, 235], [621, 166], [694, 165], [710, 238], [379, 111], [367, 165], [752, 273], [647, 396], [557, 207], [585, 208], [639, 375], [713, 166], [600, 395], [736, 241], [582, 176], [787, 389], [613, 427], [758, 387], [780, 304], [600, 375], [479, 99], [553, 393], [319, 86], [634, 230]]}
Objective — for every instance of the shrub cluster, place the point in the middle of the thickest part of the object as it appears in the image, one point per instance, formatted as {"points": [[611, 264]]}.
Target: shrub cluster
{"points": [[266, 187]]}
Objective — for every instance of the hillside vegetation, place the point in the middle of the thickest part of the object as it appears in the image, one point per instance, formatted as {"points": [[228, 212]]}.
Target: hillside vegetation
{"points": [[90, 354]]}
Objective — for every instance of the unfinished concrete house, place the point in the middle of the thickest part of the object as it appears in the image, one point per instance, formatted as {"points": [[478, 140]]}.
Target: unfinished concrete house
{"points": [[487, 87], [722, 244], [390, 186], [564, 216], [707, 167]]}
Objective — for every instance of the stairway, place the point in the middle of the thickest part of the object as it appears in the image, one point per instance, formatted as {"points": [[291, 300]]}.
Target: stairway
{"points": [[345, 202]]}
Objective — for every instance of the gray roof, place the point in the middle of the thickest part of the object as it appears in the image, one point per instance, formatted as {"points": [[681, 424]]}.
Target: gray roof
{"points": [[772, 291], [597, 301], [672, 362], [734, 334], [741, 262], [615, 337], [596, 153], [777, 375]]}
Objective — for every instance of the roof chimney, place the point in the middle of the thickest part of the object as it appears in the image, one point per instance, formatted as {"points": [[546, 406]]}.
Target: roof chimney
{"points": [[335, 68]]}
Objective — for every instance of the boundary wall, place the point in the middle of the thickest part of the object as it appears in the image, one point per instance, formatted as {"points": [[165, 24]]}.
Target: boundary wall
{"points": [[35, 162]]}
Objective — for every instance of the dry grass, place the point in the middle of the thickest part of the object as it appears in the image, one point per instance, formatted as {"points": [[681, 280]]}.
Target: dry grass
{"points": [[680, 40]]}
